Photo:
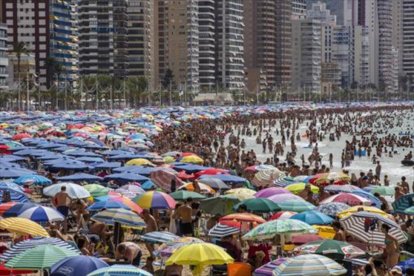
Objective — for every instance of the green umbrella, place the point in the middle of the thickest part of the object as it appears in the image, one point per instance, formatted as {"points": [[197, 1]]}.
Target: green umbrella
{"points": [[296, 206], [383, 190], [258, 205], [40, 257], [270, 229], [336, 250], [96, 190], [184, 195], [220, 205], [409, 211]]}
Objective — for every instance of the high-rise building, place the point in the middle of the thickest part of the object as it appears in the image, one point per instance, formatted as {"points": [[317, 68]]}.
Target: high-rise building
{"points": [[103, 37], [396, 34], [299, 8], [408, 41], [141, 40], [178, 39], [4, 60], [283, 43], [306, 55], [48, 30], [230, 44]]}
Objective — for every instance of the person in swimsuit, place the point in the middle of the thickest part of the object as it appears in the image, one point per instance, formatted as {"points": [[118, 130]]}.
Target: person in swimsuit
{"points": [[391, 252]]}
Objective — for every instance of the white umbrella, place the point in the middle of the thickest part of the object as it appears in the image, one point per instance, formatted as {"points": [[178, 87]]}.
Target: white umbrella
{"points": [[74, 190], [42, 214]]}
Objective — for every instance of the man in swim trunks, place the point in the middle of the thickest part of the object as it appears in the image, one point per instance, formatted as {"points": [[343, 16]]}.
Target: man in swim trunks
{"points": [[62, 202]]}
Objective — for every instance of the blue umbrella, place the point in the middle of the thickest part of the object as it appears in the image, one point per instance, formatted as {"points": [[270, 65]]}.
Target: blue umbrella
{"points": [[81, 153], [313, 217], [68, 164], [124, 156], [126, 177], [87, 159], [78, 177], [105, 165], [17, 209], [77, 266], [148, 185], [403, 203], [120, 270], [159, 237], [332, 208], [145, 171], [227, 178], [51, 156], [9, 172], [33, 180], [11, 158], [107, 204], [406, 264], [369, 196], [115, 152], [188, 168], [31, 152]]}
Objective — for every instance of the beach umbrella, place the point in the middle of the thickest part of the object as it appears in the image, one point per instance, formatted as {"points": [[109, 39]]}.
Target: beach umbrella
{"points": [[220, 205], [200, 255], [358, 208], [159, 237], [278, 198], [139, 162], [77, 265], [227, 178], [296, 205], [10, 172], [205, 189], [188, 168], [16, 209], [23, 226], [267, 269], [366, 227], [98, 206], [270, 229], [6, 271], [81, 153], [382, 190], [42, 214], [122, 199], [298, 239], [324, 231], [25, 245], [4, 207], [211, 171], [406, 264], [297, 188], [184, 195], [268, 192], [121, 216], [126, 177], [11, 158], [96, 190], [40, 257], [309, 265], [130, 189], [332, 208], [222, 230], [214, 183], [21, 136], [90, 160], [119, 270], [106, 165], [266, 178], [336, 250], [258, 205], [403, 203], [155, 200], [184, 176], [242, 217], [313, 217], [261, 167], [282, 215], [163, 179], [347, 198], [327, 178], [80, 177], [145, 171], [74, 191], [341, 188], [409, 211], [168, 248], [67, 164], [373, 199], [33, 180], [192, 159], [241, 193]]}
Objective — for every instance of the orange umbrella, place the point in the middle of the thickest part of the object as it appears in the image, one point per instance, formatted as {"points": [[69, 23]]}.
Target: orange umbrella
{"points": [[243, 217], [203, 188]]}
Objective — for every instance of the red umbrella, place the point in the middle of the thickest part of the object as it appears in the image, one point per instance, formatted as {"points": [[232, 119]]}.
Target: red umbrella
{"points": [[243, 217], [6, 271], [211, 171], [21, 136], [282, 215], [4, 207], [4, 149], [183, 154], [305, 238], [182, 175]]}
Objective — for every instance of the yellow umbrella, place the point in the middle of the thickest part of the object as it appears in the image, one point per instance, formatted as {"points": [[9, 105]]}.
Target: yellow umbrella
{"points": [[23, 226], [139, 162], [194, 159], [169, 159], [325, 232], [241, 193], [297, 188], [200, 255], [358, 208]]}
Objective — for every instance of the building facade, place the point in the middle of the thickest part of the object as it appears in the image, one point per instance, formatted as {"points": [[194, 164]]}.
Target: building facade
{"points": [[283, 56], [408, 41], [4, 60]]}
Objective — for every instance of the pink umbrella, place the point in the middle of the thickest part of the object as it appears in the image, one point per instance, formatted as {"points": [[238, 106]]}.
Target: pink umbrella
{"points": [[282, 215], [284, 197], [268, 192], [347, 198]]}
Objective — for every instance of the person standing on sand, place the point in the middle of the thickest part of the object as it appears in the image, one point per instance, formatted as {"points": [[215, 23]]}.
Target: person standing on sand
{"points": [[151, 226], [184, 215], [62, 202]]}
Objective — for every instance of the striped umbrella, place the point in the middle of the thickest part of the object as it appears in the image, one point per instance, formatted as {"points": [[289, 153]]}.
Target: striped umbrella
{"points": [[163, 179], [122, 216], [267, 269], [42, 214], [366, 226], [241, 193], [97, 190], [309, 265], [342, 188], [296, 206], [403, 203], [265, 178], [17, 209], [347, 198], [118, 270], [222, 230], [332, 208], [40, 257], [155, 200], [336, 250], [29, 244], [159, 237], [122, 199], [76, 266], [23, 226], [270, 229]]}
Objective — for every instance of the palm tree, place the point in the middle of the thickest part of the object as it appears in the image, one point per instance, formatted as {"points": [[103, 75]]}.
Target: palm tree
{"points": [[54, 71], [19, 49], [136, 87]]}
